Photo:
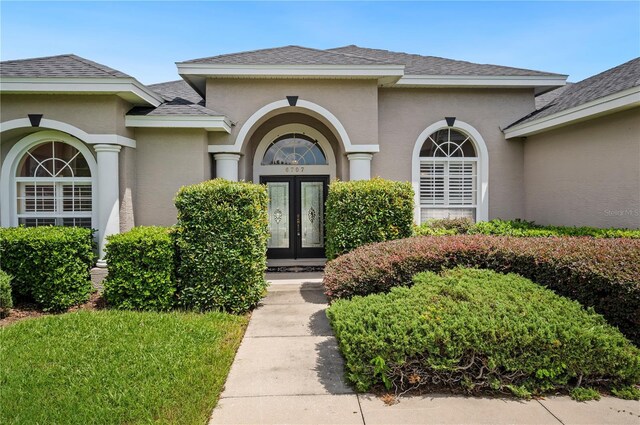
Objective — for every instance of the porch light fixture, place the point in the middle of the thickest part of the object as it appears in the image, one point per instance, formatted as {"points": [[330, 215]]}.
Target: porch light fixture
{"points": [[35, 119], [450, 121], [292, 100]]}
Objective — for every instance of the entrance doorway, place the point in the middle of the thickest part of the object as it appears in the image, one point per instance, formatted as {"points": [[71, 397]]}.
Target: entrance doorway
{"points": [[296, 215]]}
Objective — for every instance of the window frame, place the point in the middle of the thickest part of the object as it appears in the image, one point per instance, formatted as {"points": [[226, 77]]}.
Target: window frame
{"points": [[9, 180], [480, 206]]}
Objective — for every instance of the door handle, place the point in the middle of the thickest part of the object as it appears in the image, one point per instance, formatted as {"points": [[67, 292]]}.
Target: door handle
{"points": [[298, 227]]}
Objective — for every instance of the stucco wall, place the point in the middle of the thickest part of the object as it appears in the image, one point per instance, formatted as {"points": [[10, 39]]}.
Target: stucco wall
{"points": [[100, 114], [166, 159], [353, 102], [586, 174], [405, 113]]}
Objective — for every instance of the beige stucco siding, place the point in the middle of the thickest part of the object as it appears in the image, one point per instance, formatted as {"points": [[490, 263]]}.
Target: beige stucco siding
{"points": [[586, 174], [405, 113], [353, 102], [96, 114], [166, 160]]}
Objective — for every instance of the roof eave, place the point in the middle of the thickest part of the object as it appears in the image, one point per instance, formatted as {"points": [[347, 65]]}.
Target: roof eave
{"points": [[540, 83], [208, 123], [615, 102], [129, 89]]}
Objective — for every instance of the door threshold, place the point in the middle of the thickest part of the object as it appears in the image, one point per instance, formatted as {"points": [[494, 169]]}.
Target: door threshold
{"points": [[295, 265]]}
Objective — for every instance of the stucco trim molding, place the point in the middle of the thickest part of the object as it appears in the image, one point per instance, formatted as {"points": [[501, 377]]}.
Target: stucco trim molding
{"points": [[92, 139], [129, 89], [615, 102], [10, 165], [302, 104], [210, 123], [482, 212]]}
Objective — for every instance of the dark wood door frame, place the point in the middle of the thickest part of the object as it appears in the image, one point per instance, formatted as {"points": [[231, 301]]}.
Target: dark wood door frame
{"points": [[295, 249]]}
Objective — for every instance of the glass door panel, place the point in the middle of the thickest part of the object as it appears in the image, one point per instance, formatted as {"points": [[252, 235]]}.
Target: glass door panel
{"points": [[312, 214], [278, 214]]}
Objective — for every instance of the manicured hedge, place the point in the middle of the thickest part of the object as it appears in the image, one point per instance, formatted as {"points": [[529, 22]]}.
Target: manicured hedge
{"points": [[477, 331], [141, 269], [49, 265], [222, 245], [366, 211], [6, 301], [601, 273], [520, 228]]}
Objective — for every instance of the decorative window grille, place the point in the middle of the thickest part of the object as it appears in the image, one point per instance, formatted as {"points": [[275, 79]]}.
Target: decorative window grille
{"points": [[448, 176], [294, 149], [54, 187]]}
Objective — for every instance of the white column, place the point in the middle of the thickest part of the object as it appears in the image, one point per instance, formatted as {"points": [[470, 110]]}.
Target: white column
{"points": [[360, 166], [227, 165], [108, 196]]}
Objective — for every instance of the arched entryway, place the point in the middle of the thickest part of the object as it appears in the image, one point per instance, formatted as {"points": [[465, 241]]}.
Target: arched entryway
{"points": [[296, 162]]}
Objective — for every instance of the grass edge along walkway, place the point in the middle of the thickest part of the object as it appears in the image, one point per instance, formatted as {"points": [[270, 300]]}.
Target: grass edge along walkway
{"points": [[114, 367]]}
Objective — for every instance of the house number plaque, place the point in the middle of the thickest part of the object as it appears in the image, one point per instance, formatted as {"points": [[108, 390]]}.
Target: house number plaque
{"points": [[294, 170]]}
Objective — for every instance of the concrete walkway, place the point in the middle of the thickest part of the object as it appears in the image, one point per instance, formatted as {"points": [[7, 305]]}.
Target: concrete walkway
{"points": [[288, 370]]}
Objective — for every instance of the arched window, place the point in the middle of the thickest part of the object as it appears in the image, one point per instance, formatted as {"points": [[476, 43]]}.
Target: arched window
{"points": [[54, 186], [448, 176], [294, 149]]}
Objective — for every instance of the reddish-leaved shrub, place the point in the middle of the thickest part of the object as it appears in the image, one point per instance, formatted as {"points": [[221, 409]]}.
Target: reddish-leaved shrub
{"points": [[599, 273]]}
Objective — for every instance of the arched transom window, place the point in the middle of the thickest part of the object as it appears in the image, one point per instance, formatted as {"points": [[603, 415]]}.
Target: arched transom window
{"points": [[54, 186], [448, 176], [294, 149]]}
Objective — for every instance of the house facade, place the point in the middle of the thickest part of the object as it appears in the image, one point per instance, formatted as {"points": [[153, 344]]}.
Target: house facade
{"points": [[84, 144]]}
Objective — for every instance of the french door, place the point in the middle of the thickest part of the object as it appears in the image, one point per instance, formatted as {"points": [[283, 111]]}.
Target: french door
{"points": [[296, 215]]}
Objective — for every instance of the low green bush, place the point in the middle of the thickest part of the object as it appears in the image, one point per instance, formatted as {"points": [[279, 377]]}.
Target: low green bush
{"points": [[6, 301], [599, 273], [519, 228], [366, 211], [480, 331], [222, 245], [50, 265], [141, 269]]}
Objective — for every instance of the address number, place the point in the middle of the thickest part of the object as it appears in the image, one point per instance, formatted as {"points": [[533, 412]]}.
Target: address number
{"points": [[294, 170]]}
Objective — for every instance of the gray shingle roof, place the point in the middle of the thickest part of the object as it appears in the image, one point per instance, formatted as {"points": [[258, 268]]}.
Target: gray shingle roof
{"points": [[544, 99], [291, 55], [611, 81], [432, 65], [61, 66], [180, 99]]}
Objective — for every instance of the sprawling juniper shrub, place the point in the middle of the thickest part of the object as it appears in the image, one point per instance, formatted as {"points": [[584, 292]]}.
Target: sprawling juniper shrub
{"points": [[599, 273], [478, 331]]}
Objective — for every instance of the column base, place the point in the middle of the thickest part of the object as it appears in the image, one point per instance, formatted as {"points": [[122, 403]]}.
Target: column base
{"points": [[101, 264]]}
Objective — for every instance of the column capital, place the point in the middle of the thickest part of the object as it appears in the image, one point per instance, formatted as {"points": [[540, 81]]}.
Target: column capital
{"points": [[227, 156], [107, 148], [360, 155]]}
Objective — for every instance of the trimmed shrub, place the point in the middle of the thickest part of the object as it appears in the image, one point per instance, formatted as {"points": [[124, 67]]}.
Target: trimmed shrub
{"points": [[517, 227], [599, 273], [222, 245], [141, 269], [366, 211], [478, 331], [6, 301], [50, 265]]}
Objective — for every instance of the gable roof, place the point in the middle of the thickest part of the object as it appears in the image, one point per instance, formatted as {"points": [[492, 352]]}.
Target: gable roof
{"points": [[290, 55], [611, 90], [64, 66], [432, 65]]}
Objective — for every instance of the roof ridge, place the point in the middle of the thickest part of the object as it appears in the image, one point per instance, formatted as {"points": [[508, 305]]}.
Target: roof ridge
{"points": [[239, 53], [417, 55], [39, 57], [104, 68]]}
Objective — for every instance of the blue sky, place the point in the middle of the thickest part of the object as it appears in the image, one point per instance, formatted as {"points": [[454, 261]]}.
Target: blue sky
{"points": [[144, 39]]}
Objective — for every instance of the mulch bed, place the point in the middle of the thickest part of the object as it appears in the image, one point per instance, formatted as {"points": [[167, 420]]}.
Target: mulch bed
{"points": [[24, 310]]}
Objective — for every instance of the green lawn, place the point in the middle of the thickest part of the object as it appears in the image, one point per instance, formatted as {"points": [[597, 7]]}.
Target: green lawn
{"points": [[114, 367]]}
